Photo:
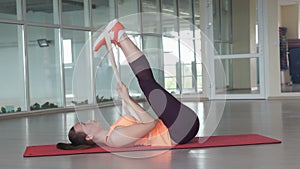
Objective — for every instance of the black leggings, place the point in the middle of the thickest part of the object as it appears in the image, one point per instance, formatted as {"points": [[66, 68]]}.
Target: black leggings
{"points": [[182, 122]]}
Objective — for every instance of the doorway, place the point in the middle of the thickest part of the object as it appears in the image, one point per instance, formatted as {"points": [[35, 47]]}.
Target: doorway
{"points": [[236, 31]]}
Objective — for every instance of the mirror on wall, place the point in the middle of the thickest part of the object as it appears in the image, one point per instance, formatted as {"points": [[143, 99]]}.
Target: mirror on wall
{"points": [[237, 42], [289, 38]]}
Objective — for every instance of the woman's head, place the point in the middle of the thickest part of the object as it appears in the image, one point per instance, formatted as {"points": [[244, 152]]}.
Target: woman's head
{"points": [[81, 136]]}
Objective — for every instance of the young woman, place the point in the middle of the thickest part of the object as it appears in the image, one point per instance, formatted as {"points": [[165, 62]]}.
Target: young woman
{"points": [[176, 123]]}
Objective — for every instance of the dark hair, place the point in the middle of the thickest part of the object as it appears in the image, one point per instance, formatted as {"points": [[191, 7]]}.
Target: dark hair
{"points": [[78, 141]]}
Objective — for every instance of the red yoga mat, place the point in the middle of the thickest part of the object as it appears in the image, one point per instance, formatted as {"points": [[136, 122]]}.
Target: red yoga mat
{"points": [[213, 141]]}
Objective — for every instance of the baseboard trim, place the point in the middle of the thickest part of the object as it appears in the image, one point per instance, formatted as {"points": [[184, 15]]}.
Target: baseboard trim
{"points": [[284, 98]]}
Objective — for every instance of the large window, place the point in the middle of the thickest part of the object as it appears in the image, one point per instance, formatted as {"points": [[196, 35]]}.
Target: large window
{"points": [[74, 46], [45, 12], [44, 67], [11, 9], [150, 6], [171, 60], [128, 7], [102, 12], [41, 44], [75, 13], [181, 44], [12, 86]]}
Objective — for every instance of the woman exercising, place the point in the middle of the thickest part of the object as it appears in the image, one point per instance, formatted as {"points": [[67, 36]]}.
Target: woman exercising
{"points": [[176, 123]]}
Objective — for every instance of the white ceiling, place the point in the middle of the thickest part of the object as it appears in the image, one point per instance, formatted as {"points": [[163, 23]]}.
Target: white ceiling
{"points": [[288, 2]]}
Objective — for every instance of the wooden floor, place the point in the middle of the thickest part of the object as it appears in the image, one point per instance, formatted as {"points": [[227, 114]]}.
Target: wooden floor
{"points": [[276, 119]]}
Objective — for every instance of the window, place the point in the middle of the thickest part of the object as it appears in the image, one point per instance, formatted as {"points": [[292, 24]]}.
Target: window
{"points": [[11, 9], [44, 68], [12, 86], [46, 12], [66, 26], [67, 47]]}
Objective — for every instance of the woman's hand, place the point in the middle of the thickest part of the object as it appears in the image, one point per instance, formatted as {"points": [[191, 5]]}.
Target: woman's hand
{"points": [[123, 91]]}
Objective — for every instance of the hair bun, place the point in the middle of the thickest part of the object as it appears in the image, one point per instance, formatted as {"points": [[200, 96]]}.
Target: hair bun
{"points": [[65, 146], [69, 146]]}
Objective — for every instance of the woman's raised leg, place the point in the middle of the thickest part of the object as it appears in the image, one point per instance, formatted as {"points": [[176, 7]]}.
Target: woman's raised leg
{"points": [[182, 122]]}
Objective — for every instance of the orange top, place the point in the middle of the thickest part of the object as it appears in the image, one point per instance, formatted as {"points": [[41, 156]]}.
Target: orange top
{"points": [[159, 135]]}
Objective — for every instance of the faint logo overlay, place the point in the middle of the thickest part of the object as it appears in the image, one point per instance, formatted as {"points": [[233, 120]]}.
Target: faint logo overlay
{"points": [[176, 49]]}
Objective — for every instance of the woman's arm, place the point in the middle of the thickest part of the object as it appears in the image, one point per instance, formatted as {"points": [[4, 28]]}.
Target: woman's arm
{"points": [[123, 136], [144, 116], [126, 136]]}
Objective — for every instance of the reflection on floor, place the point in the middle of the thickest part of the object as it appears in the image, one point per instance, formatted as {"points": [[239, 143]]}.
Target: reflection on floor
{"points": [[239, 91], [290, 87], [243, 91], [276, 119]]}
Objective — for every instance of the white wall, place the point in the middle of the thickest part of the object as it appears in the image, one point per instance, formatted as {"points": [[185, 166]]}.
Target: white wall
{"points": [[290, 19], [273, 71]]}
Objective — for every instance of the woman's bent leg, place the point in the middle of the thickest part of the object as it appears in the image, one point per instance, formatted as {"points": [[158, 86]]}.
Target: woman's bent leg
{"points": [[182, 122]]}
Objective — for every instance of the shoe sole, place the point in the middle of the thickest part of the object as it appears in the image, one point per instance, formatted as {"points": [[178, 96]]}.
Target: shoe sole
{"points": [[100, 40]]}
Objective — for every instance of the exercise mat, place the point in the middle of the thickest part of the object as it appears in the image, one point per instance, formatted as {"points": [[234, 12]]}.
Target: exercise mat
{"points": [[212, 141]]}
